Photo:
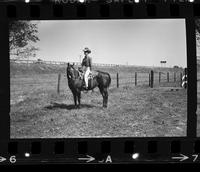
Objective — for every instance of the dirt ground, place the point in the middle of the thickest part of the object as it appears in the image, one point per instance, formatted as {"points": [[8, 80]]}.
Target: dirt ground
{"points": [[132, 112]]}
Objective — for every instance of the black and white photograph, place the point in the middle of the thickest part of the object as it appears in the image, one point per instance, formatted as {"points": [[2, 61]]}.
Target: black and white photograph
{"points": [[99, 78]]}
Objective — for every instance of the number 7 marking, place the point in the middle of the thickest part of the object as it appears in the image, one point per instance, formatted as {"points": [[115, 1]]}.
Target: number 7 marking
{"points": [[195, 157]]}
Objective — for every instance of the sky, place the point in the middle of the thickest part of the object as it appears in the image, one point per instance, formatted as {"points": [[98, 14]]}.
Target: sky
{"points": [[198, 51], [143, 42], [197, 45]]}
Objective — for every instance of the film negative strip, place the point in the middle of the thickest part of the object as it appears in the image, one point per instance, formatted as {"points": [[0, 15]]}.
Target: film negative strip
{"points": [[99, 81]]}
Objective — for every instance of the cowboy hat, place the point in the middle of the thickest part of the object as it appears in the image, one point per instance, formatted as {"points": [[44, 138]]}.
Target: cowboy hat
{"points": [[87, 50]]}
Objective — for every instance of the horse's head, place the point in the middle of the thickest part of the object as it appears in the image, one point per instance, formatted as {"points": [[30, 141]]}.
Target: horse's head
{"points": [[71, 71]]}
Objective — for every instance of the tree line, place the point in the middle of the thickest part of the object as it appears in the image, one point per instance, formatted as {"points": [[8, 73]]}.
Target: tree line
{"points": [[197, 23]]}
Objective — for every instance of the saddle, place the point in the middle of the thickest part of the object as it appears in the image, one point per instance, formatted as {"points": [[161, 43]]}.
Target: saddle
{"points": [[90, 76]]}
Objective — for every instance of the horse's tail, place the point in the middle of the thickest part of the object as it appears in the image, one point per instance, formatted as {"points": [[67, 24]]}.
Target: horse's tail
{"points": [[109, 80], [105, 74]]}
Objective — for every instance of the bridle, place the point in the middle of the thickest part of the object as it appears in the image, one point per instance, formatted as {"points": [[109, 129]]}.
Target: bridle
{"points": [[72, 74]]}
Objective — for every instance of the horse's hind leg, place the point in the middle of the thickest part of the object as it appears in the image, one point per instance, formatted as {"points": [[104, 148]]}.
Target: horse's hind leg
{"points": [[104, 94], [101, 91], [105, 97]]}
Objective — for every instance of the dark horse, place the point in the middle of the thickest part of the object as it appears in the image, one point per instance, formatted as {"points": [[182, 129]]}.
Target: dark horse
{"points": [[101, 80]]}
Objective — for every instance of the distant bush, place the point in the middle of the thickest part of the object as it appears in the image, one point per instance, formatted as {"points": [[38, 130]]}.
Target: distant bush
{"points": [[176, 67], [39, 61]]}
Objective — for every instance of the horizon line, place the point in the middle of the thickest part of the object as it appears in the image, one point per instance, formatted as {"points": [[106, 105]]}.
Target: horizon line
{"points": [[96, 64]]}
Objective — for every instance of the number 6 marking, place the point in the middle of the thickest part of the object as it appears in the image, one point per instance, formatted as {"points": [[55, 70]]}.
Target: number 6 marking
{"points": [[195, 157], [13, 159]]}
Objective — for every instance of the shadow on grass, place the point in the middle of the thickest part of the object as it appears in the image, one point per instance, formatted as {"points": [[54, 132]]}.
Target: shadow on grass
{"points": [[68, 107]]}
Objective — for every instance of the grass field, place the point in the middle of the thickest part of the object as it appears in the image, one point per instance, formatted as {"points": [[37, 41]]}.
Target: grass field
{"points": [[37, 111]]}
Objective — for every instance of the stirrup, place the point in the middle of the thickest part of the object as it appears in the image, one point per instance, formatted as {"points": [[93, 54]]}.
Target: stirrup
{"points": [[85, 90]]}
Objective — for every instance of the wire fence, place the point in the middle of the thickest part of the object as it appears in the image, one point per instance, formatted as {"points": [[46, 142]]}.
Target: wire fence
{"points": [[58, 82], [56, 78], [17, 61]]}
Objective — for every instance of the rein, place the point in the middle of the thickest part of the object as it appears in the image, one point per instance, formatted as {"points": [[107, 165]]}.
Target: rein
{"points": [[76, 74]]}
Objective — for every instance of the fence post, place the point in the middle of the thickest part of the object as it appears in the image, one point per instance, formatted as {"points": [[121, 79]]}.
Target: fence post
{"points": [[152, 78], [159, 77], [185, 73], [174, 77], [149, 79], [58, 86], [167, 76], [117, 80], [181, 79], [135, 78]]}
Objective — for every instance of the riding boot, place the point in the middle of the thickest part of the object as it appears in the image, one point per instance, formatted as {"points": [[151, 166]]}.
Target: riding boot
{"points": [[85, 89], [84, 86]]}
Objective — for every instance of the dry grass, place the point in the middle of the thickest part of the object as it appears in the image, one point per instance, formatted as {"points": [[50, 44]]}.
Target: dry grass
{"points": [[37, 111], [132, 112]]}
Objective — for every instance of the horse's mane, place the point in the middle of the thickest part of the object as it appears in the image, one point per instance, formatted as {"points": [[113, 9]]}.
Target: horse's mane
{"points": [[76, 72]]}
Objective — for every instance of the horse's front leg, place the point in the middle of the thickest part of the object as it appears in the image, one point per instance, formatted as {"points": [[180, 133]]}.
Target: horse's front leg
{"points": [[75, 103], [79, 98]]}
